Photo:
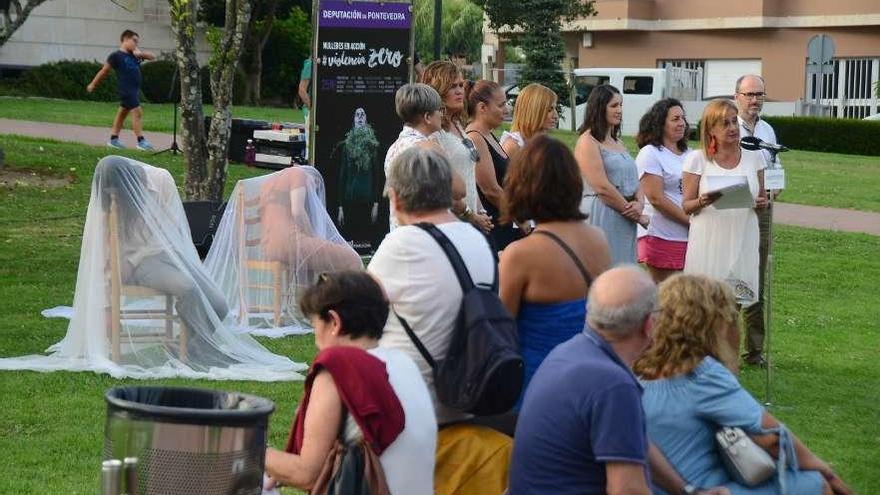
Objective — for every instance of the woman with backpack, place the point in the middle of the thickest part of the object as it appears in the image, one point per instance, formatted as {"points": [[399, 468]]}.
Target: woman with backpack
{"points": [[545, 276], [424, 291]]}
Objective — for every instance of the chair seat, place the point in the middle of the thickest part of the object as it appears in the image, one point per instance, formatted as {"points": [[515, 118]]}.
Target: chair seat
{"points": [[141, 291]]}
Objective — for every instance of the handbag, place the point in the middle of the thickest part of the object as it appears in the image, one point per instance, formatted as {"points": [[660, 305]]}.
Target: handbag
{"points": [[746, 462], [351, 470]]}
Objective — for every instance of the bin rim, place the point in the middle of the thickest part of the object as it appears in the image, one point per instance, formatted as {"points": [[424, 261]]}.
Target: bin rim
{"points": [[260, 411]]}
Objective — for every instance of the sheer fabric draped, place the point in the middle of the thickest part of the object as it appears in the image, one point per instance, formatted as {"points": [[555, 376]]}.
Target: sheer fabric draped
{"points": [[275, 238], [144, 305]]}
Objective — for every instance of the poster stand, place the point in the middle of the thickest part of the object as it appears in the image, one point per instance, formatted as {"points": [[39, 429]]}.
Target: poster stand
{"points": [[362, 53]]}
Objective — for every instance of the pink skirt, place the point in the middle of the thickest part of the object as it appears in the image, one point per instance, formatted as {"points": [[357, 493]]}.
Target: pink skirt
{"points": [[663, 254]]}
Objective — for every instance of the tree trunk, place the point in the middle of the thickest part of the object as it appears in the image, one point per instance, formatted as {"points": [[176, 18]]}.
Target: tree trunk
{"points": [[238, 13], [183, 15], [206, 157], [14, 17]]}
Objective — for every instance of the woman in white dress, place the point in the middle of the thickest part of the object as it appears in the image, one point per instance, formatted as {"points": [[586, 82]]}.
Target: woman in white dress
{"points": [[723, 243], [446, 78]]}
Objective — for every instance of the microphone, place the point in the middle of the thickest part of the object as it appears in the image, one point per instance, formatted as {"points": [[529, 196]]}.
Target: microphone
{"points": [[753, 143]]}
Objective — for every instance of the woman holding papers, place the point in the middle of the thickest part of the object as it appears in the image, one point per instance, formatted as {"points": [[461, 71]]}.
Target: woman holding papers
{"points": [[723, 185]]}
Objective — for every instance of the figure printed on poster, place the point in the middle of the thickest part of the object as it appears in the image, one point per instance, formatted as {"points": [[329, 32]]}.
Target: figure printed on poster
{"points": [[357, 193]]}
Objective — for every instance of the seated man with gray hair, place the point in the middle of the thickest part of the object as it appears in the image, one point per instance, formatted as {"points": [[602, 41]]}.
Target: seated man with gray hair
{"points": [[581, 429]]}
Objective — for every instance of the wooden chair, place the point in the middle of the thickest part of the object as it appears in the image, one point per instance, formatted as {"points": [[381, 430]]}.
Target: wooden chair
{"points": [[118, 290], [248, 214]]}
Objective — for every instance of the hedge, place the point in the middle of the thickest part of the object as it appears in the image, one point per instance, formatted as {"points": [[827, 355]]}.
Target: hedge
{"points": [[67, 79], [846, 136], [825, 134]]}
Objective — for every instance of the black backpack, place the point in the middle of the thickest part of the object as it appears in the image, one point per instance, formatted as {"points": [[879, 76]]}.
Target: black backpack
{"points": [[482, 373]]}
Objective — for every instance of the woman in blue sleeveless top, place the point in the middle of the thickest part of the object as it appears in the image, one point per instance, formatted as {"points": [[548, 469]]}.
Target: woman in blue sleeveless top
{"points": [[544, 277]]}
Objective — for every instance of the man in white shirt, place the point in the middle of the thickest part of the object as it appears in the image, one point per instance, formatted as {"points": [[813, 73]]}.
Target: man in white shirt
{"points": [[750, 95]]}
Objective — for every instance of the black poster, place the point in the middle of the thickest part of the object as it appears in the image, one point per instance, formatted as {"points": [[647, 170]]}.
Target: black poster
{"points": [[362, 56]]}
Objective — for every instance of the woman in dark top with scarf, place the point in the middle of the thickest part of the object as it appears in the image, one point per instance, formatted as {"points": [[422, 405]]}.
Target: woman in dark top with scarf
{"points": [[487, 106]]}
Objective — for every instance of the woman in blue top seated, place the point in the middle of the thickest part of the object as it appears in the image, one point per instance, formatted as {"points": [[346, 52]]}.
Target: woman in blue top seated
{"points": [[689, 394], [544, 277]]}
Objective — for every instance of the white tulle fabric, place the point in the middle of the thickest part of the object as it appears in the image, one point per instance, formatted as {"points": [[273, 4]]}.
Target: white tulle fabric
{"points": [[155, 251], [278, 219]]}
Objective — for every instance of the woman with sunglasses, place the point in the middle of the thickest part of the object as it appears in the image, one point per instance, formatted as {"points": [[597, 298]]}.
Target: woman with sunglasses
{"points": [[446, 78]]}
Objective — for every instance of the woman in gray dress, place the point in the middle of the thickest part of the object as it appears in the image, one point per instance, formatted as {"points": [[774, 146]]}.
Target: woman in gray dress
{"points": [[610, 174]]}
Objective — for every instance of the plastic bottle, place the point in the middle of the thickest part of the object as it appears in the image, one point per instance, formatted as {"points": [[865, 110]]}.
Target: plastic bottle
{"points": [[250, 153]]}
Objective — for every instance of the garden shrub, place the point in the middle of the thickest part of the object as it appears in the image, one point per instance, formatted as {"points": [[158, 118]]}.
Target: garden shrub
{"points": [[68, 79]]}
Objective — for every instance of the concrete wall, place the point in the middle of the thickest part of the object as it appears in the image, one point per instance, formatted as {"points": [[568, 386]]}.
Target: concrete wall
{"points": [[89, 30], [782, 52]]}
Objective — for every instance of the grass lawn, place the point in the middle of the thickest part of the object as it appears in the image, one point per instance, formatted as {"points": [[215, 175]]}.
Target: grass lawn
{"points": [[51, 430], [157, 116], [818, 179]]}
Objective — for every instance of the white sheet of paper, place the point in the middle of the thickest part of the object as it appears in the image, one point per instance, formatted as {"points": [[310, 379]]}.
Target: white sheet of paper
{"points": [[774, 178], [734, 191]]}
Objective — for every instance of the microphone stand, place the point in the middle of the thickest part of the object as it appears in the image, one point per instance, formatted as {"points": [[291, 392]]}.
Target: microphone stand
{"points": [[174, 148], [768, 292]]}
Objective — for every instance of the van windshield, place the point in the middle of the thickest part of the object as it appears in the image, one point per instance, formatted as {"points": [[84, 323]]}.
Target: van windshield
{"points": [[585, 84]]}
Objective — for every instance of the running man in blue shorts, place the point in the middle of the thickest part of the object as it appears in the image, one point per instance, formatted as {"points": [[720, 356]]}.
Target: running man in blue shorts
{"points": [[127, 63]]}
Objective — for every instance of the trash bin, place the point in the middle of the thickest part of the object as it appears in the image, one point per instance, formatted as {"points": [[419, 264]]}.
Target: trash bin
{"points": [[189, 441]]}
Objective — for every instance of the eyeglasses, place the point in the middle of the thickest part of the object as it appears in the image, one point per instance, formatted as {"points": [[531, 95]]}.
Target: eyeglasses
{"points": [[758, 95], [475, 155]]}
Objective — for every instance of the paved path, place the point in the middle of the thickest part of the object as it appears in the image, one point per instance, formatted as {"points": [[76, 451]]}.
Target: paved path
{"points": [[95, 136], [818, 217], [788, 214]]}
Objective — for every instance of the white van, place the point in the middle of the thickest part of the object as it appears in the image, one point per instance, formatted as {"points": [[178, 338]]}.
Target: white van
{"points": [[640, 88]]}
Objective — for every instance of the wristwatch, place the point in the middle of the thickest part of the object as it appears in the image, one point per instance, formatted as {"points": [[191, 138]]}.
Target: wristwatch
{"points": [[688, 489]]}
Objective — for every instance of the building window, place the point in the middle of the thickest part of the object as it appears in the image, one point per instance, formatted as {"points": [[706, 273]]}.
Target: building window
{"points": [[638, 85], [684, 64]]}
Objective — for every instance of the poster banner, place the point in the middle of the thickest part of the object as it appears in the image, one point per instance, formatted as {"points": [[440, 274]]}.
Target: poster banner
{"points": [[362, 56]]}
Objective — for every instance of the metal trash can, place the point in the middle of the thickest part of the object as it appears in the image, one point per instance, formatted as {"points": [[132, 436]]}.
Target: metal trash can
{"points": [[189, 441]]}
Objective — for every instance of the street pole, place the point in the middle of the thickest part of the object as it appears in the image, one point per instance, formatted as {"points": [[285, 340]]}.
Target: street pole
{"points": [[438, 27]]}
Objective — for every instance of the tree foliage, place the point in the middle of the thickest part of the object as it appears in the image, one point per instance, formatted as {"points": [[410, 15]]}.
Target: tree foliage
{"points": [[206, 153], [540, 22], [265, 15], [14, 16], [461, 28]]}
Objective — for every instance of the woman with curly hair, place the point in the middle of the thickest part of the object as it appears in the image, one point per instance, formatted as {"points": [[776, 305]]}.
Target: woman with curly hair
{"points": [[662, 138], [689, 394]]}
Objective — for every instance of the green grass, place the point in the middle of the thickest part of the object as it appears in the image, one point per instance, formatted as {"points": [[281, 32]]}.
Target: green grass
{"points": [[157, 117], [818, 179], [812, 178], [825, 337]]}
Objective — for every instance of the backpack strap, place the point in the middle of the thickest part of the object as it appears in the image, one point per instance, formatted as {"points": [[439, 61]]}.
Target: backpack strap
{"points": [[415, 340], [461, 271], [580, 266]]}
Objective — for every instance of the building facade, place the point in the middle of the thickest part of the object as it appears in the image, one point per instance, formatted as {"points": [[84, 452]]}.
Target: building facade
{"points": [[730, 38], [89, 30]]}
